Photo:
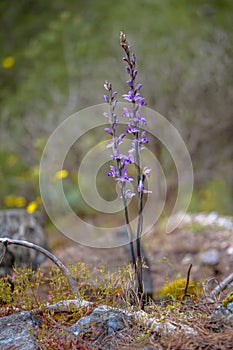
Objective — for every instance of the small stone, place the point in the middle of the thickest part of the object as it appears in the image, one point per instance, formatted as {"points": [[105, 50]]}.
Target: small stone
{"points": [[210, 257], [18, 331], [230, 307], [222, 318], [100, 321], [187, 259], [229, 251], [20, 225]]}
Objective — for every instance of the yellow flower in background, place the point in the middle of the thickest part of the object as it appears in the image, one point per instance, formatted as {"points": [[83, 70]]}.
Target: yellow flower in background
{"points": [[8, 62], [20, 202], [9, 200], [31, 207], [14, 201], [61, 174]]}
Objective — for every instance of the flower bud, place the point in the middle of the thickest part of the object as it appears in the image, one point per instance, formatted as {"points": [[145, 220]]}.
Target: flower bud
{"points": [[122, 38]]}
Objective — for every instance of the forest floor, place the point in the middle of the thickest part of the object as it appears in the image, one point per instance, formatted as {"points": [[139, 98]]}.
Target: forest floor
{"points": [[208, 247]]}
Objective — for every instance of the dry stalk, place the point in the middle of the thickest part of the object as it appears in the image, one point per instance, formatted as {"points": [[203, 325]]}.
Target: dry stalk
{"points": [[7, 241]]}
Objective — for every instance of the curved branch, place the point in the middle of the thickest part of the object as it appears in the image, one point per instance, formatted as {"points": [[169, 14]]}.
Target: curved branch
{"points": [[7, 241], [221, 286]]}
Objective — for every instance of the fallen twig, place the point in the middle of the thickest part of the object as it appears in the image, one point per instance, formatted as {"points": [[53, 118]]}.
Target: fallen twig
{"points": [[7, 241]]}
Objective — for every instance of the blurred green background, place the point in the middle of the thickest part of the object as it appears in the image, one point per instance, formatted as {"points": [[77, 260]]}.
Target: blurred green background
{"points": [[55, 56]]}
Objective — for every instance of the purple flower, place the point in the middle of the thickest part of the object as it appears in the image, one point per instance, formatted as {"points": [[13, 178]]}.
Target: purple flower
{"points": [[134, 73], [131, 153], [114, 143], [116, 154], [125, 177], [138, 87], [128, 194], [107, 85], [138, 119], [127, 69], [114, 172], [132, 130], [141, 187], [114, 104], [146, 171], [142, 138], [126, 113], [140, 100], [118, 140], [141, 120], [109, 131], [129, 97], [126, 161], [143, 133], [133, 60], [135, 120], [130, 84], [121, 136]]}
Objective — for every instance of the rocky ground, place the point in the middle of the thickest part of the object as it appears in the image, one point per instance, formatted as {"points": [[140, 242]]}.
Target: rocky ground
{"points": [[203, 241]]}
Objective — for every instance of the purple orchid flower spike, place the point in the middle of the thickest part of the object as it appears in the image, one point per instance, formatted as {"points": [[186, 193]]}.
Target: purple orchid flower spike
{"points": [[120, 172]]}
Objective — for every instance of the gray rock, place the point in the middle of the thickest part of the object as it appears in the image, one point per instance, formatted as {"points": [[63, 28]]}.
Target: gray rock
{"points": [[101, 321], [230, 307], [19, 224], [222, 317], [210, 257], [18, 331]]}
